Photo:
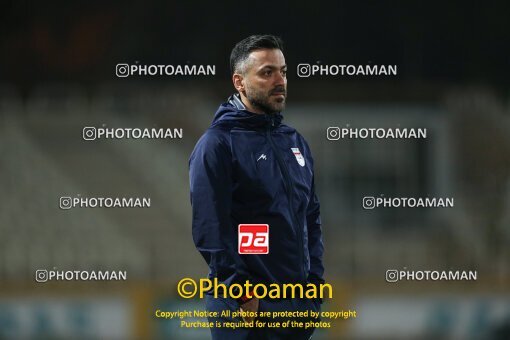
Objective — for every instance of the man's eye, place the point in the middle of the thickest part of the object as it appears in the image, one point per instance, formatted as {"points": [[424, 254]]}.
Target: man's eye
{"points": [[284, 73], [267, 73]]}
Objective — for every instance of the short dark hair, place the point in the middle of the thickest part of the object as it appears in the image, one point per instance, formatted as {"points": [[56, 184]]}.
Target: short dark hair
{"points": [[242, 49]]}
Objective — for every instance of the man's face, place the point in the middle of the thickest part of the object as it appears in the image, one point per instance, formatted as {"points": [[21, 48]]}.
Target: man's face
{"points": [[265, 80]]}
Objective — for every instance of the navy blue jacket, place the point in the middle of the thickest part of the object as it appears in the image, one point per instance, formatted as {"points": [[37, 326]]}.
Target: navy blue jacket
{"points": [[233, 183]]}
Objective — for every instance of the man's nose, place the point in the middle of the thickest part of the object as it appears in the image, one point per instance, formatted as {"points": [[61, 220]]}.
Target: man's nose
{"points": [[279, 79]]}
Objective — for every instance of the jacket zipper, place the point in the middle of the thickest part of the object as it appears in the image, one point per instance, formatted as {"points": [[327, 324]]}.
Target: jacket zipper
{"points": [[289, 187]]}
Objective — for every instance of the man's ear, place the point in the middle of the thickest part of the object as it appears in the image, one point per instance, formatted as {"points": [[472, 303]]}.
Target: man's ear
{"points": [[238, 81]]}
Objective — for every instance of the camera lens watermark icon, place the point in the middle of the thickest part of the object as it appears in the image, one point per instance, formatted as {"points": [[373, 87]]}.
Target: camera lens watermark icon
{"points": [[333, 133], [41, 275], [66, 203], [89, 133], [368, 202], [392, 275], [304, 70], [122, 70]]}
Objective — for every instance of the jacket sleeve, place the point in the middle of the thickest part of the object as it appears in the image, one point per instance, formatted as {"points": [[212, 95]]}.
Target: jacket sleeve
{"points": [[211, 200], [315, 244]]}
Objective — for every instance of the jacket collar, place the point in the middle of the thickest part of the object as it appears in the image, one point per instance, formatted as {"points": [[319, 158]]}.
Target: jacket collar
{"points": [[235, 101], [235, 113]]}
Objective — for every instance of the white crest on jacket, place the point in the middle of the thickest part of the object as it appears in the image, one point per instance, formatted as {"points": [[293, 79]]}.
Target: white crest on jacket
{"points": [[299, 157]]}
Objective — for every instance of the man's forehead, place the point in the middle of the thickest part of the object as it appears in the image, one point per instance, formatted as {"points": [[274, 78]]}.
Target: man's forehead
{"points": [[274, 57]]}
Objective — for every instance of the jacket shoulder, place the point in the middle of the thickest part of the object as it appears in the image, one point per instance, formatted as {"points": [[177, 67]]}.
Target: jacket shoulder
{"points": [[216, 136], [215, 140]]}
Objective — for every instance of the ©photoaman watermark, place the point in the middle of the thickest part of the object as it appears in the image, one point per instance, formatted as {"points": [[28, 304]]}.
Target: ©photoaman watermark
{"points": [[68, 202], [189, 288], [394, 275], [90, 133], [44, 275], [309, 70], [124, 70], [371, 202], [337, 133]]}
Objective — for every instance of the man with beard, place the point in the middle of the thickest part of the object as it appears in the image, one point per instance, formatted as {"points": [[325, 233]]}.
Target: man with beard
{"points": [[249, 168]]}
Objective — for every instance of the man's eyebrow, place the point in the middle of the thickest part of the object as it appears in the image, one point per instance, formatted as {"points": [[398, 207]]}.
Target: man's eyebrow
{"points": [[273, 67]]}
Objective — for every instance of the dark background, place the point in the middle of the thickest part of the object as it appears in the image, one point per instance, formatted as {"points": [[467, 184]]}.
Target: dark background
{"points": [[431, 43]]}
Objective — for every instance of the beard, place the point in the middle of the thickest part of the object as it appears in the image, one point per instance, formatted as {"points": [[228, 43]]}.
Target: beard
{"points": [[265, 101]]}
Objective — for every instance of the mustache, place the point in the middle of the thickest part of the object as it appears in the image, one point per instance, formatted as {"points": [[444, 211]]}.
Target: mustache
{"points": [[278, 89]]}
